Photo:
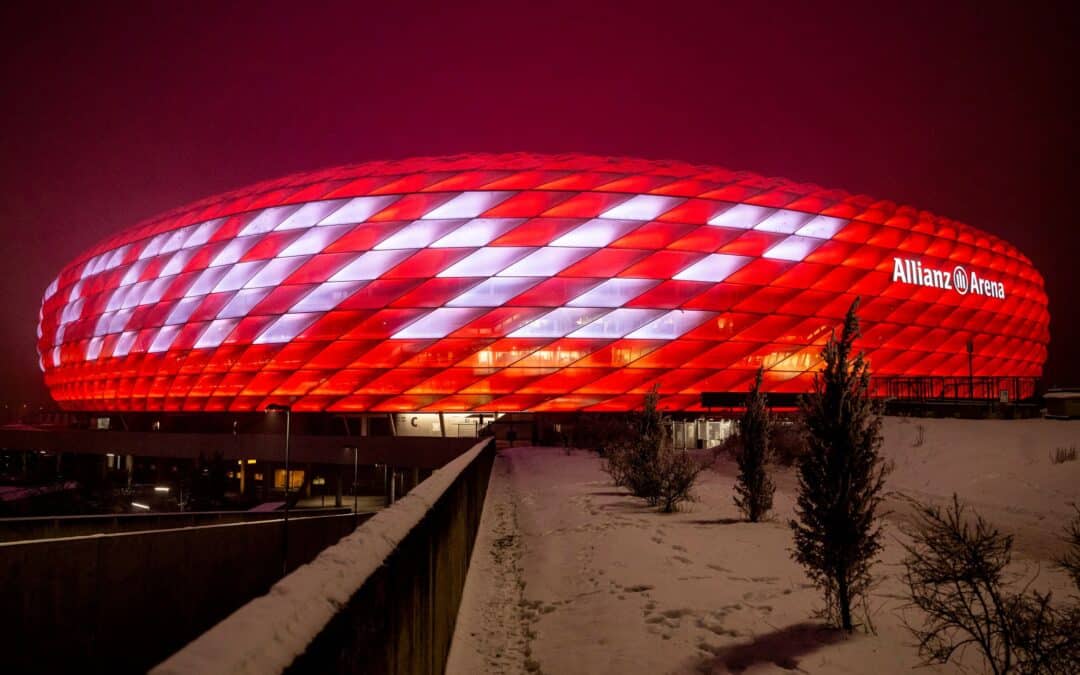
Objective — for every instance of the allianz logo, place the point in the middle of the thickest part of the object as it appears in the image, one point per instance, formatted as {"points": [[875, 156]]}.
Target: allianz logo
{"points": [[959, 280]]}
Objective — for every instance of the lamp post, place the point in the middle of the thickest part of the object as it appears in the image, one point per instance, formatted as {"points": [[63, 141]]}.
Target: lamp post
{"points": [[274, 407]]}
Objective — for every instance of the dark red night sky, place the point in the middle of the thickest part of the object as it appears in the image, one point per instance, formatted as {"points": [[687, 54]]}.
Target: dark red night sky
{"points": [[116, 111]]}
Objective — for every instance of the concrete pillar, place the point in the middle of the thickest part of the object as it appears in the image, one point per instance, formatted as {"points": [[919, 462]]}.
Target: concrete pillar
{"points": [[442, 425], [243, 477], [364, 425], [129, 466], [337, 489]]}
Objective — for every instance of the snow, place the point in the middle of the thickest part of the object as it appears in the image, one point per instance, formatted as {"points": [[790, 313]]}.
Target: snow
{"points": [[268, 633], [571, 575]]}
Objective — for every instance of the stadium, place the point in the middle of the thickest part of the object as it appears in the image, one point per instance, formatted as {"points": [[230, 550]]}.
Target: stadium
{"points": [[528, 283]]}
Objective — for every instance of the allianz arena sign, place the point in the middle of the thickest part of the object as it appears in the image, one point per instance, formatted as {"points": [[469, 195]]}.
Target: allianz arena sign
{"points": [[913, 272]]}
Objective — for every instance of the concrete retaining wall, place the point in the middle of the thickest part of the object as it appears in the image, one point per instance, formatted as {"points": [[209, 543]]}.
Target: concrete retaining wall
{"points": [[383, 600], [122, 602]]}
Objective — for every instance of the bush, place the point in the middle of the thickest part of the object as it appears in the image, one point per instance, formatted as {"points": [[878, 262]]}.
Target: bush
{"points": [[648, 465], [788, 444], [753, 486], [956, 575], [1070, 562], [1062, 455]]}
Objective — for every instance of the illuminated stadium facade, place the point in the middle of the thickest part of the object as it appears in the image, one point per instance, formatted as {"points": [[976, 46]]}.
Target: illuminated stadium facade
{"points": [[524, 283]]}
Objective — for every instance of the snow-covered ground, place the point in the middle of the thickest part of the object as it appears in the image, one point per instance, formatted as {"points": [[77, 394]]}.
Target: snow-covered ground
{"points": [[571, 575]]}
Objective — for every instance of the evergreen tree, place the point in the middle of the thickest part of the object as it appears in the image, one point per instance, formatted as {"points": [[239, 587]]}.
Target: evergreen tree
{"points": [[754, 489], [837, 534]]}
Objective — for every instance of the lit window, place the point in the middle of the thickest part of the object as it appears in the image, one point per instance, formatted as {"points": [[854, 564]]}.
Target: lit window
{"points": [[546, 262], [314, 240], [643, 207], [310, 213], [418, 234], [713, 267], [493, 292], [671, 325], [617, 323], [597, 232], [783, 221], [327, 296], [238, 275], [285, 328], [559, 322], [438, 323], [267, 219], [215, 333], [477, 232], [822, 227], [486, 261], [275, 272], [468, 204], [613, 293], [370, 265], [359, 209], [242, 302], [793, 248], [742, 216]]}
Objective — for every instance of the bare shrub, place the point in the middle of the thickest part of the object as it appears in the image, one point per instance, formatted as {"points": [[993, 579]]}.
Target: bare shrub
{"points": [[648, 465], [956, 575], [1062, 455], [1070, 561]]}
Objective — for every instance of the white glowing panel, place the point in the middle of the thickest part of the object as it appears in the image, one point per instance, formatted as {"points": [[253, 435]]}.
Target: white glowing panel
{"points": [[202, 233], [643, 207], [418, 234], [154, 246], [314, 240], [233, 251], [597, 233], [206, 281], [51, 289], [267, 219], [783, 221], [134, 272], [794, 248], [468, 204], [311, 213], [155, 289], [242, 302], [182, 310], [672, 325], [822, 227], [238, 275], [124, 343], [559, 322], [546, 262], [76, 291], [493, 292], [164, 339], [175, 241], [713, 267], [359, 209], [93, 348], [287, 327], [617, 323], [326, 296], [116, 258], [275, 271], [176, 263], [477, 232], [486, 262], [216, 333], [370, 265], [613, 293], [119, 320], [438, 323], [742, 216]]}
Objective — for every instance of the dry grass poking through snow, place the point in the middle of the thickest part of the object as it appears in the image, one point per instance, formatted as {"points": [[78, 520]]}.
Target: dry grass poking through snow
{"points": [[571, 575]]}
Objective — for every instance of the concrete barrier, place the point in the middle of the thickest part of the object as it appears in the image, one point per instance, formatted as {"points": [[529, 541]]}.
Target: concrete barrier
{"points": [[382, 600], [121, 602], [52, 527]]}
